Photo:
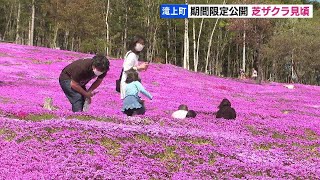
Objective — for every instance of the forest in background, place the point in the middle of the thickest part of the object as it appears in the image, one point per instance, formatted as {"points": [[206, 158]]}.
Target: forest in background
{"points": [[282, 50]]}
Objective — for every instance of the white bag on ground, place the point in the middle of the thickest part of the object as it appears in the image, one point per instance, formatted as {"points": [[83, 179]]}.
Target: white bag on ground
{"points": [[86, 105]]}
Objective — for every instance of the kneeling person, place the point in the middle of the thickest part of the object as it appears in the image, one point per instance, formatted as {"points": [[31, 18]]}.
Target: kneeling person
{"points": [[225, 110], [132, 103], [75, 76]]}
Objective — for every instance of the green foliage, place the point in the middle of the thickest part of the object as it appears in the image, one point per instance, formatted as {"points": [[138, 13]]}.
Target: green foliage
{"points": [[297, 39], [92, 45]]}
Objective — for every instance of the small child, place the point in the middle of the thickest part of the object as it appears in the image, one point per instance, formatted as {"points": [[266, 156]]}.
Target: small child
{"points": [[132, 103], [191, 114], [225, 110], [181, 113]]}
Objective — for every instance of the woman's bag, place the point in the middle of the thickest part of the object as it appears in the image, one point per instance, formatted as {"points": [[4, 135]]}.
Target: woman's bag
{"points": [[118, 82]]}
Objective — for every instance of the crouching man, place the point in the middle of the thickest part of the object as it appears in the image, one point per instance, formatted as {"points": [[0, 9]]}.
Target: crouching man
{"points": [[75, 76]]}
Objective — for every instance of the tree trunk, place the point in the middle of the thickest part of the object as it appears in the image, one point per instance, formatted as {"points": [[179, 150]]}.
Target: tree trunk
{"points": [[175, 44], [166, 56], [210, 42], [236, 65], [6, 31], [79, 44], [244, 52], [107, 43], [54, 41], [150, 33], [260, 69], [168, 41], [18, 23], [186, 44], [220, 52], [210, 69], [66, 38], [228, 69], [259, 64], [216, 66], [72, 43], [209, 46], [194, 45], [273, 71], [32, 24], [29, 34], [198, 46], [153, 44], [125, 31]]}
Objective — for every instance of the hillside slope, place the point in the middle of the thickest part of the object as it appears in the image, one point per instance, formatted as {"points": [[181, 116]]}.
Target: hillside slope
{"points": [[276, 133]]}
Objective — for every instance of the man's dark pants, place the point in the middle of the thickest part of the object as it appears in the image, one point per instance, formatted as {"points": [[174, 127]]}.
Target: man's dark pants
{"points": [[75, 98]]}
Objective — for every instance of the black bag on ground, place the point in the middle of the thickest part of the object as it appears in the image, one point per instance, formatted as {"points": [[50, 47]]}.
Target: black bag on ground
{"points": [[118, 82]]}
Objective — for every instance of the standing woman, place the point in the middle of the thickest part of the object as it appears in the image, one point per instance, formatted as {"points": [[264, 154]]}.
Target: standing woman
{"points": [[131, 61]]}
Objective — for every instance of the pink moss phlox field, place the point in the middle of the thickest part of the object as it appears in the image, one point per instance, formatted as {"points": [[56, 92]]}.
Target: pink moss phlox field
{"points": [[276, 134]]}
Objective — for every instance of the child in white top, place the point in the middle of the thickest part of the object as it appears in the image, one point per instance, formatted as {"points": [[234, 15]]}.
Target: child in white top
{"points": [[181, 113]]}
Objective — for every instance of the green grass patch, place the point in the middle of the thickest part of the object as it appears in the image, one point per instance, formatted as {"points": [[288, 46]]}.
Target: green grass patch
{"points": [[277, 135], [82, 117], [44, 138], [23, 139], [83, 151], [3, 54], [144, 138], [32, 117], [212, 158], [89, 118], [284, 100], [189, 150], [35, 61], [312, 147], [147, 121], [126, 139], [201, 141], [286, 111], [311, 135], [155, 83], [52, 130], [4, 100], [168, 157], [254, 131], [112, 146], [8, 134], [168, 153], [90, 141], [250, 99], [40, 117], [264, 147], [171, 159]]}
